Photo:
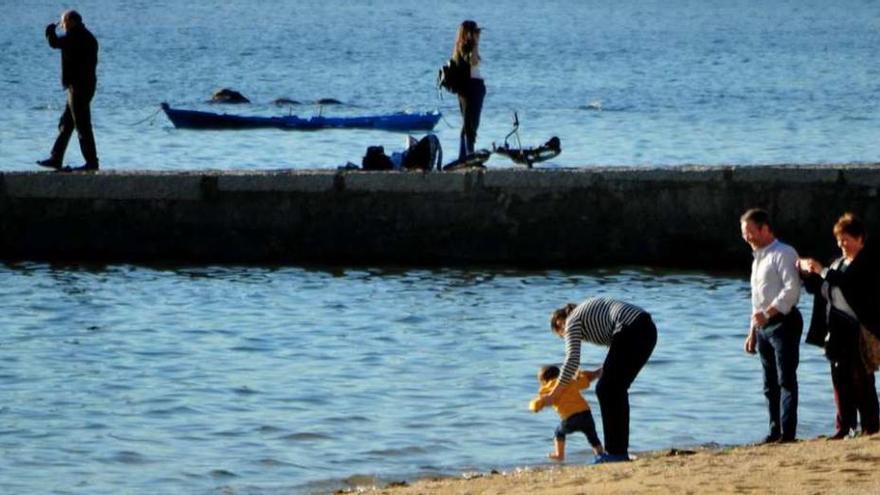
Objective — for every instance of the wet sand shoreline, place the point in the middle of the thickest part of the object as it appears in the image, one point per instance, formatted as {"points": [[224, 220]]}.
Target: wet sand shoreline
{"points": [[815, 466]]}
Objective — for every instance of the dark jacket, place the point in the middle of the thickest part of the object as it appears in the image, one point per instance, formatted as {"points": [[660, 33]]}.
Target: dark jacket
{"points": [[860, 285], [79, 56]]}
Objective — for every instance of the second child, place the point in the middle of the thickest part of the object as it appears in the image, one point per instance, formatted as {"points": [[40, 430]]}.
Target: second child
{"points": [[571, 406]]}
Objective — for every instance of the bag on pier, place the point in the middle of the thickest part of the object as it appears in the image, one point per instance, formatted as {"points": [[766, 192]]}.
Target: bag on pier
{"points": [[376, 159], [425, 154]]}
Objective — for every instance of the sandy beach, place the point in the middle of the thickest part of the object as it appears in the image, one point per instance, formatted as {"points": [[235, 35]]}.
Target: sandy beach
{"points": [[817, 466]]}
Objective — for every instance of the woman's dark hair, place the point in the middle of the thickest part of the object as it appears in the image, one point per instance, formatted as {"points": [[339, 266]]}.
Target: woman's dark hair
{"points": [[549, 372], [851, 225], [561, 314]]}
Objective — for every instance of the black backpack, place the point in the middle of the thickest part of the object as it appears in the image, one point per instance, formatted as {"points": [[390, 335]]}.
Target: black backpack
{"points": [[376, 159], [454, 76], [424, 155]]}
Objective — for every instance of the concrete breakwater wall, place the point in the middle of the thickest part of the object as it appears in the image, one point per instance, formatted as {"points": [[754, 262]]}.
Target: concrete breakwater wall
{"points": [[551, 218]]}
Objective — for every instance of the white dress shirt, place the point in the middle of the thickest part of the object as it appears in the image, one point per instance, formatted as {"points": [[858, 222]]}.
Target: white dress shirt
{"points": [[775, 280]]}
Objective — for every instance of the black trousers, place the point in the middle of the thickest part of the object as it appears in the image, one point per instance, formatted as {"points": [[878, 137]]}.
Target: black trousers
{"points": [[470, 101], [77, 115], [855, 392], [855, 395], [630, 349]]}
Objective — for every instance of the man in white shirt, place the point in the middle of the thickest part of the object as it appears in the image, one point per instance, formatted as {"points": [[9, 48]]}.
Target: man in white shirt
{"points": [[776, 324]]}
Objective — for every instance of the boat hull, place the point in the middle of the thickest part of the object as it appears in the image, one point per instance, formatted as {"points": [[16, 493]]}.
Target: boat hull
{"points": [[400, 121]]}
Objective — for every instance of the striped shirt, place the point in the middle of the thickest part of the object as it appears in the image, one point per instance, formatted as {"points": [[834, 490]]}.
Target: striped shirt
{"points": [[595, 320]]}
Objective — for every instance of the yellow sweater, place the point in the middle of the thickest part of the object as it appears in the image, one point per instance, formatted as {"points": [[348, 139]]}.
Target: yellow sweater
{"points": [[570, 401]]}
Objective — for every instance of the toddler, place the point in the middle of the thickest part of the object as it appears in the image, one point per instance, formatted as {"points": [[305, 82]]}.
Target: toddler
{"points": [[571, 406]]}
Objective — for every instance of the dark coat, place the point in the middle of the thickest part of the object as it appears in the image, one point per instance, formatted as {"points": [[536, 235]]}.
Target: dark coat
{"points": [[860, 284], [79, 56]]}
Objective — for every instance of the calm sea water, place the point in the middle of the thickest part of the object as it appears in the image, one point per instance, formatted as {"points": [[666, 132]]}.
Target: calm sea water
{"points": [[257, 380], [621, 83]]}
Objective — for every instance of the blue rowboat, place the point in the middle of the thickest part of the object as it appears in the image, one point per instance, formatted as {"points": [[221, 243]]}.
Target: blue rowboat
{"points": [[400, 121]]}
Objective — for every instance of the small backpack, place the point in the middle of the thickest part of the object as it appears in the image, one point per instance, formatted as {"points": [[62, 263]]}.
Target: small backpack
{"points": [[454, 76], [424, 154], [376, 159]]}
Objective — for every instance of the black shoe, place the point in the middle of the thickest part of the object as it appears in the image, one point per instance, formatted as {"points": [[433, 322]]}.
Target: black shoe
{"points": [[85, 168], [770, 439], [839, 435], [50, 163], [787, 440]]}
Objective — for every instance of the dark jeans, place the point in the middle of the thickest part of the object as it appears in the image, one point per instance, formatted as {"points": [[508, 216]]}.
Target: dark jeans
{"points": [[470, 101], [77, 115], [630, 349], [855, 393], [779, 349], [582, 422]]}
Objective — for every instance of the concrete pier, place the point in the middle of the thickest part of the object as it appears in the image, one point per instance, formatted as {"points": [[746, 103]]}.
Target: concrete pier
{"points": [[554, 218]]}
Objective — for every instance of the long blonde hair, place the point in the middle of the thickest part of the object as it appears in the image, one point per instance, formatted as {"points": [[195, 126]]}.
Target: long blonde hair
{"points": [[467, 43]]}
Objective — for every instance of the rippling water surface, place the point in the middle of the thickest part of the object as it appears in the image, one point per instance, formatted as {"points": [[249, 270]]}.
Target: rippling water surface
{"points": [[131, 379], [621, 83]]}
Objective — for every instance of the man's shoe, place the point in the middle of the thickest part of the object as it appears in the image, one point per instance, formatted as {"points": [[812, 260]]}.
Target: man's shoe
{"points": [[607, 458], [787, 440], [770, 439], [85, 168], [50, 163]]}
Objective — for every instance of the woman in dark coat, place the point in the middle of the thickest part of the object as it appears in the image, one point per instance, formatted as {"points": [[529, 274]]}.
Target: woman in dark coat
{"points": [[846, 322]]}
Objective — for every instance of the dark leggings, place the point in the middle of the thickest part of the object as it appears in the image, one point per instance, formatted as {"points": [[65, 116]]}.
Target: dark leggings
{"points": [[470, 101], [630, 349]]}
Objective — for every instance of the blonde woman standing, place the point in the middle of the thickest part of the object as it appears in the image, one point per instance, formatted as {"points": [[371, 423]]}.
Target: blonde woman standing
{"points": [[470, 99]]}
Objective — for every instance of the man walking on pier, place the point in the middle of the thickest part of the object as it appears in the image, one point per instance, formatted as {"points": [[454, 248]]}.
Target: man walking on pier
{"points": [[79, 58], [776, 324]]}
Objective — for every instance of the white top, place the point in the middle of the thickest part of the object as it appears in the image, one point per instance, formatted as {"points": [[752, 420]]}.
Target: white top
{"points": [[475, 72], [775, 280]]}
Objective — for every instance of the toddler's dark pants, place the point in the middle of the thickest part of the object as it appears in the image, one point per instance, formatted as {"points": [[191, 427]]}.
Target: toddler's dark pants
{"points": [[583, 422]]}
